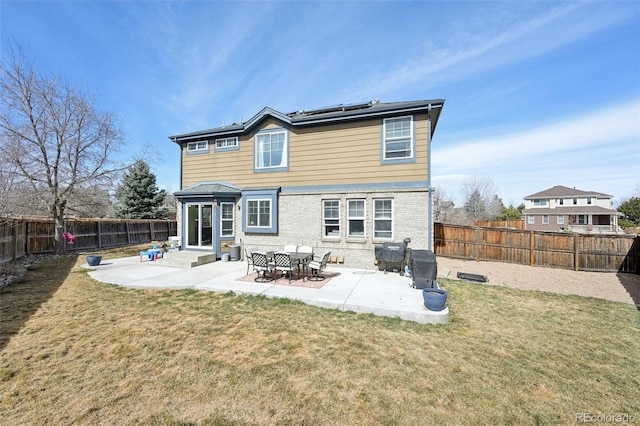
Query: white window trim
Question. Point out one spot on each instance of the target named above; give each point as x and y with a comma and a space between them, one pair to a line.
531, 219
324, 225
227, 142
232, 220
383, 219
259, 200
363, 218
197, 146
285, 150
545, 219
560, 219
385, 139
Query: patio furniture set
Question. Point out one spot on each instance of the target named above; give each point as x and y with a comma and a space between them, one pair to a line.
301, 259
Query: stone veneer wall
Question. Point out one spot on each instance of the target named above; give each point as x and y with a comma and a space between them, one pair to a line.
300, 223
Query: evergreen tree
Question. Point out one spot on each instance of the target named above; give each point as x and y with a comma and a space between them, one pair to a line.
138, 195
631, 211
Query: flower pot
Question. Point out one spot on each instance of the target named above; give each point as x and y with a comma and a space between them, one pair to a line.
435, 299
94, 260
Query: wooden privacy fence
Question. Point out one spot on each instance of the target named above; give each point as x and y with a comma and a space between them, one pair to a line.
580, 252
515, 223
22, 237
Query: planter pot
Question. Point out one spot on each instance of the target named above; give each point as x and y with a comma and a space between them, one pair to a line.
435, 299
94, 260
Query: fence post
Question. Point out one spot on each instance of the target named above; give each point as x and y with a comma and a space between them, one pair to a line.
99, 232
576, 260
477, 244
126, 224
151, 234
14, 240
532, 254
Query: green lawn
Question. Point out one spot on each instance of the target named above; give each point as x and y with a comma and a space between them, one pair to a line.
75, 351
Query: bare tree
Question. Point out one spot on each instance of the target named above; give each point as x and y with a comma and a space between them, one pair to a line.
480, 199
53, 136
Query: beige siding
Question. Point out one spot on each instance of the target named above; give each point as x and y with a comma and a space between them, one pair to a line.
321, 155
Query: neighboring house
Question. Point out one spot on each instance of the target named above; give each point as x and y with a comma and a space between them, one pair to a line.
569, 209
341, 178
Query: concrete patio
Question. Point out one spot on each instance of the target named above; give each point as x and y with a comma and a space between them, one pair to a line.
357, 290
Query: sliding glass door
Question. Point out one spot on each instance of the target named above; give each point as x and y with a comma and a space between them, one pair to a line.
199, 225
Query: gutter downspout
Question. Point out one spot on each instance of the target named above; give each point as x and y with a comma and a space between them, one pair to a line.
430, 195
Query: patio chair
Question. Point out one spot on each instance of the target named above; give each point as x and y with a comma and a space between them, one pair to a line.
290, 248
282, 262
318, 266
262, 266
305, 249
247, 255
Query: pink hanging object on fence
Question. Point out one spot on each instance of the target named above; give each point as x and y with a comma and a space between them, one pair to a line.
69, 238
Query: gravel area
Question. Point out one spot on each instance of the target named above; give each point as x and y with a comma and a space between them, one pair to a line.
612, 286
12, 271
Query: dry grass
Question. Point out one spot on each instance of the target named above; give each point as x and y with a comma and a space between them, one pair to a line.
75, 351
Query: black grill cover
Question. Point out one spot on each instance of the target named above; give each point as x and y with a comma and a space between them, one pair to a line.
393, 252
424, 268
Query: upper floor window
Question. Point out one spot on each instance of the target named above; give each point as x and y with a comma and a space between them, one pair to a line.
575, 201
271, 149
398, 139
226, 143
540, 202
355, 218
226, 219
561, 201
588, 200
331, 218
197, 146
383, 218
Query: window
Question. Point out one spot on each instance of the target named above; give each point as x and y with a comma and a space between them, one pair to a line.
531, 219
545, 219
540, 202
560, 219
583, 219
259, 209
398, 138
561, 202
331, 218
226, 143
258, 213
575, 201
226, 219
355, 218
197, 146
383, 218
271, 150
588, 200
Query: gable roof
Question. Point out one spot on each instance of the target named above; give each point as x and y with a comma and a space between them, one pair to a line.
324, 115
208, 189
560, 191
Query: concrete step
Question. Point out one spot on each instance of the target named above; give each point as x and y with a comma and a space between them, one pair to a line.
187, 259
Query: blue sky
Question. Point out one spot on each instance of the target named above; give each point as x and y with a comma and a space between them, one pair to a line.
537, 93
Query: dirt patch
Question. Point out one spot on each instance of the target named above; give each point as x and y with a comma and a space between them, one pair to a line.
617, 287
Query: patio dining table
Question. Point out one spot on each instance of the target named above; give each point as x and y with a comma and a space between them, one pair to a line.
302, 260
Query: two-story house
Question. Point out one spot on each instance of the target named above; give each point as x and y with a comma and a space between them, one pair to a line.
341, 178
569, 209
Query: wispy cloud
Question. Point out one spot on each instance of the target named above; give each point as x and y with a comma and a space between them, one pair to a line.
607, 139
493, 45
